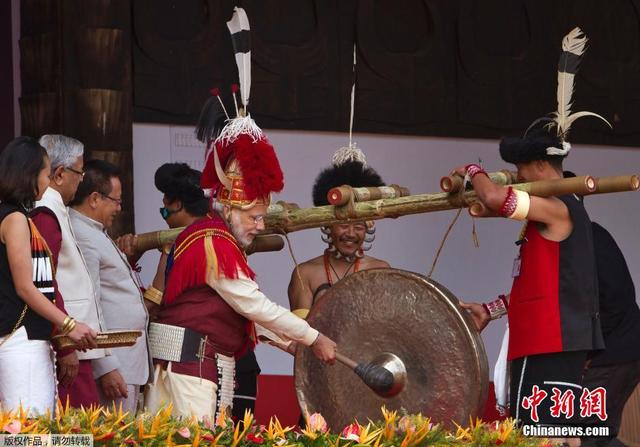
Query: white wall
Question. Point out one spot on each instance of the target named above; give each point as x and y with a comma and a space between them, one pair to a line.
408, 242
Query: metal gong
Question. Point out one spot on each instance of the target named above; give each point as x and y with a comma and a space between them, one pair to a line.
400, 320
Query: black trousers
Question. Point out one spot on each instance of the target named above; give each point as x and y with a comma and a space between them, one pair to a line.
244, 397
562, 370
246, 389
619, 381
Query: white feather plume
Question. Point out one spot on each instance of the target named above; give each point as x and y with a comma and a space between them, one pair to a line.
575, 43
347, 154
240, 22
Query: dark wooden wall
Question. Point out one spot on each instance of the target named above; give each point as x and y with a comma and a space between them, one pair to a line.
77, 80
459, 68
6, 75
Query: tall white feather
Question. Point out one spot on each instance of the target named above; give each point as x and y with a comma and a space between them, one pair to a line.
240, 22
575, 42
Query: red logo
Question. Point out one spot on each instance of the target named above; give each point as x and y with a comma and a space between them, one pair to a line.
594, 403
532, 402
562, 403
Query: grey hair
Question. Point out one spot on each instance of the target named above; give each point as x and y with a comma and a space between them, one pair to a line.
62, 150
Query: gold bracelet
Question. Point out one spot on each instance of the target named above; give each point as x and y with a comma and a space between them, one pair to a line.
154, 295
66, 321
72, 326
302, 313
68, 325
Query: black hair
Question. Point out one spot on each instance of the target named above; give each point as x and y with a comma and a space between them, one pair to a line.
352, 173
20, 164
97, 178
177, 181
533, 146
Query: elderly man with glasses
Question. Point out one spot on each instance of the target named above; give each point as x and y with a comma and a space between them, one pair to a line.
74, 290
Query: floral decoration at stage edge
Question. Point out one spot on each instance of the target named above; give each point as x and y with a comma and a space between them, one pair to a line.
113, 427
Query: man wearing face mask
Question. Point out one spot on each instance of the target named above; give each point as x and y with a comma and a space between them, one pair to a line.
347, 242
184, 204
212, 309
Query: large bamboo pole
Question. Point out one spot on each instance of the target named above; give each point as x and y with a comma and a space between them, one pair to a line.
453, 183
342, 195
302, 219
285, 218
603, 185
157, 239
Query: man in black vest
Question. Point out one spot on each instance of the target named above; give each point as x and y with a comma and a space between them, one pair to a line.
616, 368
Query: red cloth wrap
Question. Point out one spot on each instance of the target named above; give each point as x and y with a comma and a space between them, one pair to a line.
191, 303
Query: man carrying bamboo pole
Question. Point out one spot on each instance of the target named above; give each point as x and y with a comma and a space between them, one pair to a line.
347, 242
553, 305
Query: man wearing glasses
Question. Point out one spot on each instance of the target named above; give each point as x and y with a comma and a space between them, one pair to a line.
212, 309
74, 287
96, 204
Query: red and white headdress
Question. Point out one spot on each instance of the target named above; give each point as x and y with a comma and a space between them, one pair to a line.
242, 168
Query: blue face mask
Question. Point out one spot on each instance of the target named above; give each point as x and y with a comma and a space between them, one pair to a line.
166, 212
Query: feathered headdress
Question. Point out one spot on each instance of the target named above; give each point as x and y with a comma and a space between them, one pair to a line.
348, 167
348, 164
535, 145
242, 168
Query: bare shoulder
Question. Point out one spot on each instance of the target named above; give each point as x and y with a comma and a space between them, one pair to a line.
369, 262
312, 263
13, 224
307, 268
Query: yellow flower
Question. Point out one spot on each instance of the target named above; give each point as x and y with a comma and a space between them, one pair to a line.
366, 437
275, 430
463, 433
246, 421
506, 427
389, 423
221, 421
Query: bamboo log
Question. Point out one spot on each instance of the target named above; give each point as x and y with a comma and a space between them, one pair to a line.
453, 183
264, 243
156, 239
342, 195
547, 188
478, 209
415, 204
285, 218
617, 183
603, 185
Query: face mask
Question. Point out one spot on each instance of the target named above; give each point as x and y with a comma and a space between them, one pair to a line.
166, 212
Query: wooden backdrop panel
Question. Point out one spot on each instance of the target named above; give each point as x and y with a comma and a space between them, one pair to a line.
76, 80
459, 68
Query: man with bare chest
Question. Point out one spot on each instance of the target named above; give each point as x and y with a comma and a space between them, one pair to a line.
347, 243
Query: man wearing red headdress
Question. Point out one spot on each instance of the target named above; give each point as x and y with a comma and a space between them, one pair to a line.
211, 301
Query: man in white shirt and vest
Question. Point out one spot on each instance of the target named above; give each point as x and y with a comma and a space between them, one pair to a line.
74, 291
